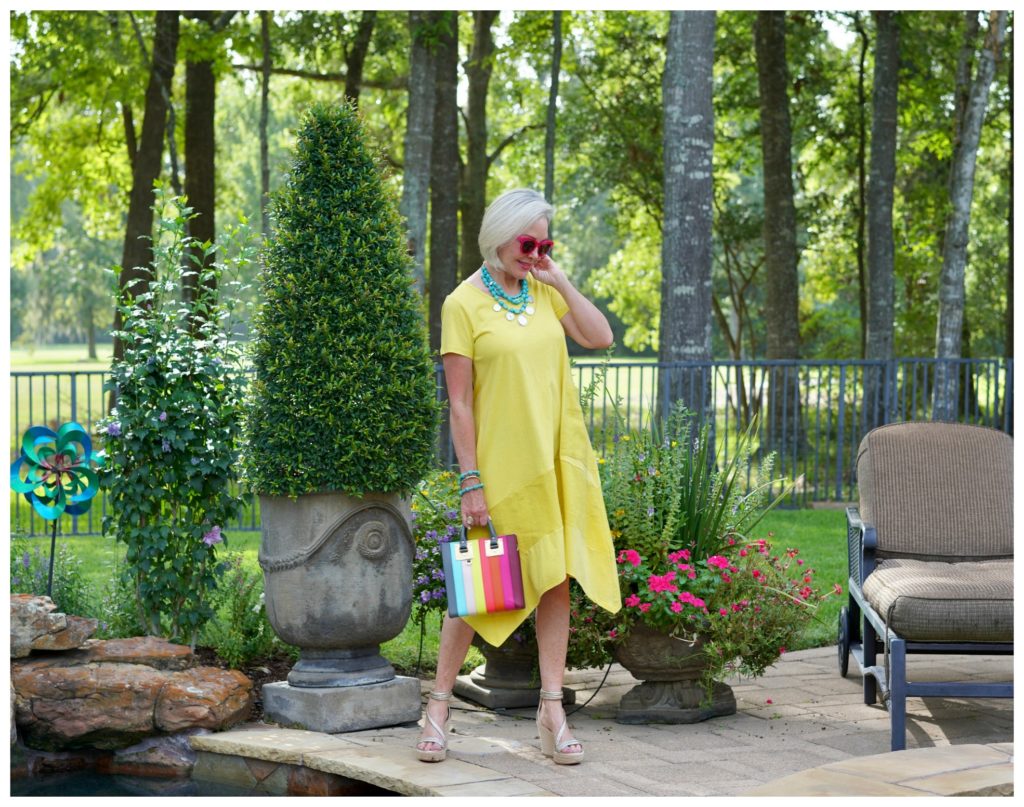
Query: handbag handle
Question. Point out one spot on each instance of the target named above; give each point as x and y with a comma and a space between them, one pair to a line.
463, 545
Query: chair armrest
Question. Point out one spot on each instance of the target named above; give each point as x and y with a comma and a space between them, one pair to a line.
862, 540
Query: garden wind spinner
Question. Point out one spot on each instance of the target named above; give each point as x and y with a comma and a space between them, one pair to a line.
54, 474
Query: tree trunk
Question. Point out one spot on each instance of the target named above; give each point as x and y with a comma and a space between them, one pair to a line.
549, 135
90, 331
782, 285
880, 202
264, 120
136, 256
954, 254
1008, 347
444, 177
473, 195
419, 132
688, 139
200, 148
862, 140
356, 57
444, 201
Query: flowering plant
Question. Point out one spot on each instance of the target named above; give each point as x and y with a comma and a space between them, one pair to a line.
436, 518
686, 566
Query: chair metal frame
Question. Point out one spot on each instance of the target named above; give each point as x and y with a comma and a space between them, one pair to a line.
865, 638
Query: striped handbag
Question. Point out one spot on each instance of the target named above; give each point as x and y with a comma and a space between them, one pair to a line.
482, 576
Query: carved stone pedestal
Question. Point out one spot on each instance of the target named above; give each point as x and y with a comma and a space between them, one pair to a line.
670, 670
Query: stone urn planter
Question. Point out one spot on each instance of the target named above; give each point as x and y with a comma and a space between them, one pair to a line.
509, 678
670, 670
336, 571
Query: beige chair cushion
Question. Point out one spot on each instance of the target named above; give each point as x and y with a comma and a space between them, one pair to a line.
944, 602
938, 491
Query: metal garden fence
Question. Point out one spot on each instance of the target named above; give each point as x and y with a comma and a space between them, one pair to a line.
812, 414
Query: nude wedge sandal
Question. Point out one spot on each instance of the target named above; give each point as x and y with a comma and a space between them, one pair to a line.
553, 744
440, 737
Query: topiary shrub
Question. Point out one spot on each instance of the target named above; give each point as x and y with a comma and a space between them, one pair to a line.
344, 395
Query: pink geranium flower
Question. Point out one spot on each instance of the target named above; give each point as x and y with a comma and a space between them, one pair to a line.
663, 582
632, 601
718, 561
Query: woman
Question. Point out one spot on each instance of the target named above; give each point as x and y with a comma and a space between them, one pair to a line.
524, 451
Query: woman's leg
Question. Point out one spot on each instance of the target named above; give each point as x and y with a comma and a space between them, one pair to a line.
456, 636
553, 642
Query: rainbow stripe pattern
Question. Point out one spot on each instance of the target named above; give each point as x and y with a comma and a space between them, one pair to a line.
482, 576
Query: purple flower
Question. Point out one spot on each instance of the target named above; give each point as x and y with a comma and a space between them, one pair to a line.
651, 470
196, 460
431, 534
451, 515
114, 429
213, 537
425, 596
650, 512
166, 445
163, 417
26, 560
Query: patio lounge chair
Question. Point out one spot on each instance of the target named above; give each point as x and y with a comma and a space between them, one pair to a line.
931, 559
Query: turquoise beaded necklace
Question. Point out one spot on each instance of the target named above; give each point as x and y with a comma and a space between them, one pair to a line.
517, 306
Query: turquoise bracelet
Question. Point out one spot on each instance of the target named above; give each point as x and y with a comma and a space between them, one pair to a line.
464, 476
466, 490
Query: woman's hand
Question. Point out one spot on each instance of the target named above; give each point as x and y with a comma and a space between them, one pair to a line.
474, 509
550, 273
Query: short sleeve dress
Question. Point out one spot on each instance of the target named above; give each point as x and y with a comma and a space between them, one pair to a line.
533, 449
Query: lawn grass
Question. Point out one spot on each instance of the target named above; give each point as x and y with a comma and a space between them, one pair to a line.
818, 534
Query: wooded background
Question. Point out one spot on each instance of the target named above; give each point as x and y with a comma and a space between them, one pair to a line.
731, 185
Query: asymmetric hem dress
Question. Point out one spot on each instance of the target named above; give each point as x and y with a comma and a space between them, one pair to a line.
533, 450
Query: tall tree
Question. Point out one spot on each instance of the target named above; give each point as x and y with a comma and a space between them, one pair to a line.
419, 133
881, 184
200, 138
137, 253
549, 134
266, 66
862, 183
780, 248
444, 176
355, 56
948, 333
688, 139
473, 187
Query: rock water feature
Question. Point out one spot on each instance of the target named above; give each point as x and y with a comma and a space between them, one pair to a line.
115, 706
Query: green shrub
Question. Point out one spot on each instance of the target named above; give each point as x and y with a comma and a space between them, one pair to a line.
240, 632
172, 440
344, 396
30, 572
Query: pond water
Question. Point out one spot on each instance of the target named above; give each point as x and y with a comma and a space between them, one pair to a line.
89, 783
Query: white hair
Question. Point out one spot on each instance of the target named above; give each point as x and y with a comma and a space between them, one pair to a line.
508, 216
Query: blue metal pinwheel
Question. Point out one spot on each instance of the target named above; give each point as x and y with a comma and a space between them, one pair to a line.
54, 473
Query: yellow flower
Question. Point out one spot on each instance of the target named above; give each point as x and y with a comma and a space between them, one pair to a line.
625, 437
616, 533
674, 444
619, 513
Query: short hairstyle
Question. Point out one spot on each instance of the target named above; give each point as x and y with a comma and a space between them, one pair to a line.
507, 216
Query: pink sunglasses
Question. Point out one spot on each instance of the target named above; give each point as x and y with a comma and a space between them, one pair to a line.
527, 244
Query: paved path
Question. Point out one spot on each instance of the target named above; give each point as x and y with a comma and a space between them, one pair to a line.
800, 716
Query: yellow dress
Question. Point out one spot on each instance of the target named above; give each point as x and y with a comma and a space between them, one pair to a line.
533, 450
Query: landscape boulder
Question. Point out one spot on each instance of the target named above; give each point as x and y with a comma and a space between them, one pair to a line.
112, 694
36, 626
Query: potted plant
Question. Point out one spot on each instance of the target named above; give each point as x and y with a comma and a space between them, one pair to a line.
701, 597
341, 424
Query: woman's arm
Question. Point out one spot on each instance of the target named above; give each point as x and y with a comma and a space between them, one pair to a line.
458, 373
583, 322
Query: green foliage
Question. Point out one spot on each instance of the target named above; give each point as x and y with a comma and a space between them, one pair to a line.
436, 518
343, 397
240, 632
30, 571
172, 440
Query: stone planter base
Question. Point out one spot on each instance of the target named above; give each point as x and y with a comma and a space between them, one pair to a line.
502, 693
674, 702
333, 710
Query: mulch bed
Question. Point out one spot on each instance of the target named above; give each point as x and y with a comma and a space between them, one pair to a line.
260, 672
